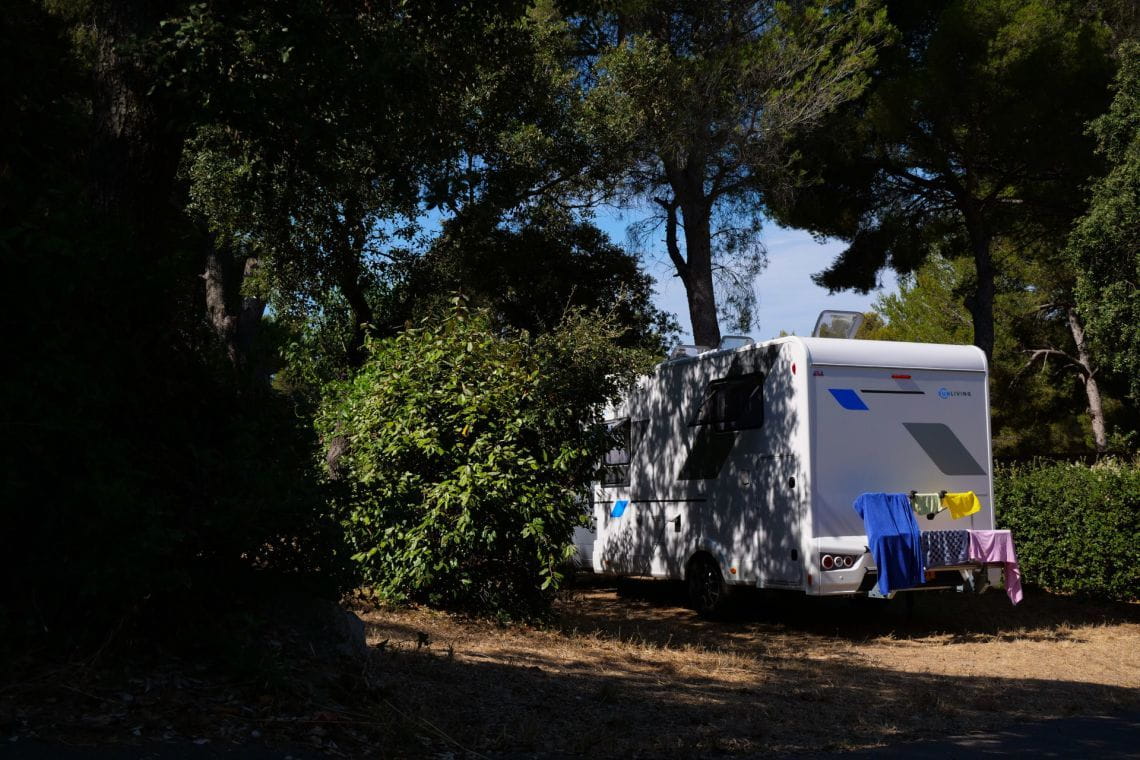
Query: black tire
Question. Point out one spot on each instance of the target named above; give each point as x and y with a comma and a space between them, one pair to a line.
707, 591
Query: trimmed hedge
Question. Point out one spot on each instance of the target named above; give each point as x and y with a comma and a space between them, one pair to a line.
1075, 526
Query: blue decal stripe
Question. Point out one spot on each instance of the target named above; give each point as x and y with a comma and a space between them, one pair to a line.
849, 399
619, 507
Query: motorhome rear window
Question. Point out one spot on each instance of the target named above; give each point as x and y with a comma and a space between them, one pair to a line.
615, 463
733, 403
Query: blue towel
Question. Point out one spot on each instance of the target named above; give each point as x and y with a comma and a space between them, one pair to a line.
894, 539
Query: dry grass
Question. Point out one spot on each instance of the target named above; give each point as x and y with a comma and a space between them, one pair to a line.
639, 674
630, 674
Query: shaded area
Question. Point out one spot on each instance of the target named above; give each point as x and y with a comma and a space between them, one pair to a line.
626, 674
175, 751
637, 673
657, 607
1100, 737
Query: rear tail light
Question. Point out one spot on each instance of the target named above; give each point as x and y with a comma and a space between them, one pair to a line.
837, 561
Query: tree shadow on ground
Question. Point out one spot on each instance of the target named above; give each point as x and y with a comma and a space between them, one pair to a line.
624, 675
643, 703
659, 609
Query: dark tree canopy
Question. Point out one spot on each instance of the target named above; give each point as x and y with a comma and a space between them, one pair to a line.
231, 230
703, 97
531, 271
199, 196
974, 126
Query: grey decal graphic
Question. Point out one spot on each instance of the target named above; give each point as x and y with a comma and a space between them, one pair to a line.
944, 448
898, 393
905, 386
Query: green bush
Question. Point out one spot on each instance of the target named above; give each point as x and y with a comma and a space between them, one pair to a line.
467, 450
1076, 527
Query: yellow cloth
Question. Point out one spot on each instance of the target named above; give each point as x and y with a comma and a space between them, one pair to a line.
961, 504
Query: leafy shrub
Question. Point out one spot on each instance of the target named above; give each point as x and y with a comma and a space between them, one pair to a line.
467, 451
1076, 527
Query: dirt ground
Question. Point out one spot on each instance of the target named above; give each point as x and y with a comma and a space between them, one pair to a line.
622, 671
635, 673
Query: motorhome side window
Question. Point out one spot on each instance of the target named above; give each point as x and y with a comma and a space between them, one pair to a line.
615, 463
733, 403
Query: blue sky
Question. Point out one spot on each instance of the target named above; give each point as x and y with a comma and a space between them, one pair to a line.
788, 299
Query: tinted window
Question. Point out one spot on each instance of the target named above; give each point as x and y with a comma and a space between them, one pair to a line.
615, 463
735, 403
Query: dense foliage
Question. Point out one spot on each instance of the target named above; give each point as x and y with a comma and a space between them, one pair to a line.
1075, 526
1106, 242
958, 141
469, 449
530, 270
140, 482
223, 221
704, 98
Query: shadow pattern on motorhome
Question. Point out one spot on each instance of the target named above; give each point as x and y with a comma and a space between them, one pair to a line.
727, 421
747, 461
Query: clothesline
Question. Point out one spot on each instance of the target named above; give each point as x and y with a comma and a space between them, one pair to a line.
902, 552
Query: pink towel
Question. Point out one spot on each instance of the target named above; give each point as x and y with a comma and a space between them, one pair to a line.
997, 546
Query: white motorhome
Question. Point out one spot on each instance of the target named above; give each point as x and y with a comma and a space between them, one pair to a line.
739, 466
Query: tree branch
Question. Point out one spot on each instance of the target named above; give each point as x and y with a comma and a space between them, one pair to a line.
1037, 353
670, 208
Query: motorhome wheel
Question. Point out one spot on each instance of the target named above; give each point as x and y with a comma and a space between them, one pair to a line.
707, 590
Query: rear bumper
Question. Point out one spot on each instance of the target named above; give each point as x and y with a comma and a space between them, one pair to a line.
862, 576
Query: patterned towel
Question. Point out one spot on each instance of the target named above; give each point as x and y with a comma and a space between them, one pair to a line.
946, 548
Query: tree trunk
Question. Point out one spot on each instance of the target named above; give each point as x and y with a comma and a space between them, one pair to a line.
699, 285
249, 322
1092, 389
350, 280
351, 287
348, 254
219, 276
696, 271
234, 317
981, 302
136, 145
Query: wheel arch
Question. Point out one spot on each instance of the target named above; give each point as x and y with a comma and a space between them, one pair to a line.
714, 551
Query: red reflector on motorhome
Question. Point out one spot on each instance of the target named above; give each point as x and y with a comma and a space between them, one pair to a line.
900, 377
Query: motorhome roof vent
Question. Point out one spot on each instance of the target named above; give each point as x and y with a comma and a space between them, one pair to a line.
687, 351
837, 324
734, 341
